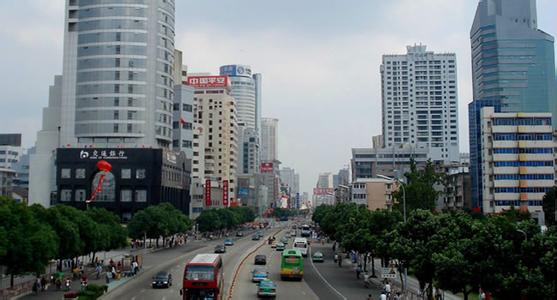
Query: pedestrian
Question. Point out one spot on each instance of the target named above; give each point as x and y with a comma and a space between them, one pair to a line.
334, 246
107, 278
383, 296
98, 269
43, 283
369, 297
335, 258
358, 271
388, 288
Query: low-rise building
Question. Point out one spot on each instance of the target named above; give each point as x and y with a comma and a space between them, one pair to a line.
375, 193
518, 163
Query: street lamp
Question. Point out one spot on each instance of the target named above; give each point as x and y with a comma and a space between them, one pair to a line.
403, 192
404, 216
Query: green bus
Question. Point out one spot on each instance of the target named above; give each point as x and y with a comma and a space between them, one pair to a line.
291, 264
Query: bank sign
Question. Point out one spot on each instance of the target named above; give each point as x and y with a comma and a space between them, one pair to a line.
107, 154
236, 70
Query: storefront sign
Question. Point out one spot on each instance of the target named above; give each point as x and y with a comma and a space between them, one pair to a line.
107, 154
225, 193
207, 193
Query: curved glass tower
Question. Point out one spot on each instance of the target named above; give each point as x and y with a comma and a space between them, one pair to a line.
119, 56
244, 90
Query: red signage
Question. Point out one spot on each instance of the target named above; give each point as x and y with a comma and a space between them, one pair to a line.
266, 167
202, 82
225, 193
323, 191
207, 192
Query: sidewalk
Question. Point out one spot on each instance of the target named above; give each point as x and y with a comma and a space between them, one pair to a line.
53, 294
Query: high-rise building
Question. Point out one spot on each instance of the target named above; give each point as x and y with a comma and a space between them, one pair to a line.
248, 151
269, 139
246, 90
420, 102
113, 102
518, 165
182, 124
215, 110
513, 68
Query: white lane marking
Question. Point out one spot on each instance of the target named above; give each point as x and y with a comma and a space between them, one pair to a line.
323, 278
163, 298
142, 291
133, 298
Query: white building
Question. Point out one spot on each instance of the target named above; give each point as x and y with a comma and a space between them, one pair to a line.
214, 109
518, 165
420, 102
245, 88
269, 139
117, 84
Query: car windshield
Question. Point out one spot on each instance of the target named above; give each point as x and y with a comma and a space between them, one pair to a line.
260, 271
266, 284
318, 254
200, 273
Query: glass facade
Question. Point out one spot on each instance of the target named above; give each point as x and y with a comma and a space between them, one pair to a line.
124, 75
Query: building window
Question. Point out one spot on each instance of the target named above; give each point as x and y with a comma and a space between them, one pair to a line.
80, 195
140, 174
125, 196
126, 174
65, 195
66, 173
141, 196
108, 188
80, 173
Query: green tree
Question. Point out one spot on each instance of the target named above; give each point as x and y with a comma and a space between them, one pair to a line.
209, 220
549, 200
112, 234
30, 244
158, 221
420, 191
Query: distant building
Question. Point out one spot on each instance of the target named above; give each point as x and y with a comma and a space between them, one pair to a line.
245, 88
420, 102
269, 139
393, 161
518, 165
182, 124
375, 193
10, 154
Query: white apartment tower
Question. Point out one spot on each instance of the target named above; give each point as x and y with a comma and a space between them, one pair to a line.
269, 139
420, 102
214, 116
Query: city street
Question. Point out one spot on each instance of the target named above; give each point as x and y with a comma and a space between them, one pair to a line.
174, 262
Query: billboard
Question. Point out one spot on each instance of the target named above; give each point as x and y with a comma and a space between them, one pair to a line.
225, 193
266, 167
207, 193
203, 82
323, 191
236, 70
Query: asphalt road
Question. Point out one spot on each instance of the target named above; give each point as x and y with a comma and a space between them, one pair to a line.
245, 289
174, 261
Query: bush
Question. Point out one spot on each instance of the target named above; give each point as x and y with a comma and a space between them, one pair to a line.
92, 292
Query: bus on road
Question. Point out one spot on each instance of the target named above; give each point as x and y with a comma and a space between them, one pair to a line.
302, 245
291, 265
203, 278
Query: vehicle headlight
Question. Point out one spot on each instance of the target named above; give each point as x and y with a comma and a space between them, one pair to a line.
154, 282
166, 282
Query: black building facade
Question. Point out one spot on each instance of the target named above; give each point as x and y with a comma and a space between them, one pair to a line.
138, 178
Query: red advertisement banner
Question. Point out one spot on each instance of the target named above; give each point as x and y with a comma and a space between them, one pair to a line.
207, 193
225, 193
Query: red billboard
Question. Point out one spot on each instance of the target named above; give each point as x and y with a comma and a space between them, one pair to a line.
323, 191
202, 82
207, 192
225, 193
266, 167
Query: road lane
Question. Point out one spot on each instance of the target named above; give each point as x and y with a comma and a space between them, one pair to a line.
174, 262
245, 289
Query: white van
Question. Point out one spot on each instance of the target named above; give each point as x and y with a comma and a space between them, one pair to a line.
302, 245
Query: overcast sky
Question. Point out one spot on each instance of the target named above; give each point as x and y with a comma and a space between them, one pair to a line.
319, 59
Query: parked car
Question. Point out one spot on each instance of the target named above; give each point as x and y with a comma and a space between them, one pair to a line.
260, 259
317, 257
258, 274
220, 249
266, 288
280, 246
228, 242
162, 280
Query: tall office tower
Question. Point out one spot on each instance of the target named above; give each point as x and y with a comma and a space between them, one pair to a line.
113, 102
287, 177
420, 102
215, 110
518, 164
513, 69
243, 87
269, 139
